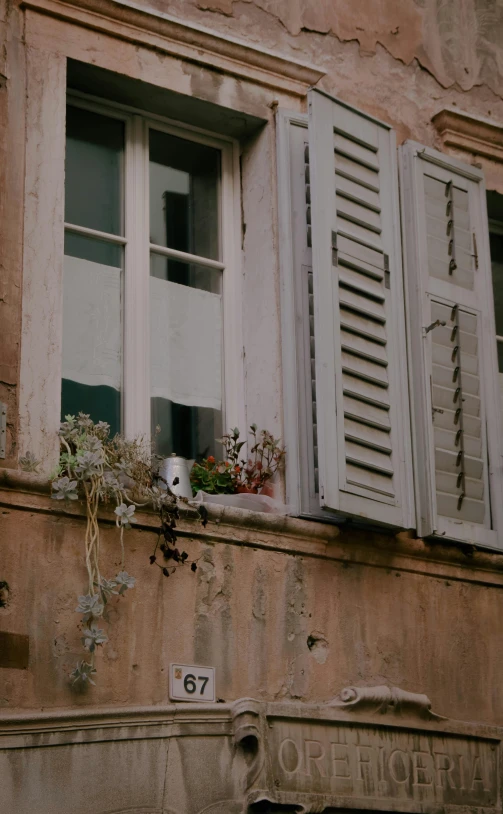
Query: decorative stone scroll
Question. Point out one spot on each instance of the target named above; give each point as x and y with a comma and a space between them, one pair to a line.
385, 699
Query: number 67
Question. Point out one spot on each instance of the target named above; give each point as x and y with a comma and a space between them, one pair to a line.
189, 683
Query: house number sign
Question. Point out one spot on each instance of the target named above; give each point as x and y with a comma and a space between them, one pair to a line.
191, 683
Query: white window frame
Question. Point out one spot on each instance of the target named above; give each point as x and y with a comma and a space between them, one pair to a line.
135, 392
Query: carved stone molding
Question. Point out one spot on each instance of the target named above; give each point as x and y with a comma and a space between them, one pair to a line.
475, 136
152, 28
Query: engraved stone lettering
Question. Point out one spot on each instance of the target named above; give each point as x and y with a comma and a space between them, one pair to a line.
289, 756
444, 767
372, 762
365, 761
399, 766
422, 769
339, 753
315, 754
477, 775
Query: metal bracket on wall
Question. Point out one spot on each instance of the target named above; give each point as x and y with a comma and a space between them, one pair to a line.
3, 428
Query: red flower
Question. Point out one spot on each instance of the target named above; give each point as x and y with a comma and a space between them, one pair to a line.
211, 459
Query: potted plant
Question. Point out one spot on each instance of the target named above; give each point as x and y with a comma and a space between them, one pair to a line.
235, 475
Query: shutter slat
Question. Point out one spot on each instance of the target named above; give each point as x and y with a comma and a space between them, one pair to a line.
369, 258
358, 213
356, 172
367, 348
357, 192
367, 413
360, 234
364, 368
362, 325
357, 152
446, 439
370, 479
369, 458
365, 390
368, 436
472, 511
366, 306
368, 286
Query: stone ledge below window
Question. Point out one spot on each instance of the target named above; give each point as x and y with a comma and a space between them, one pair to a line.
395, 552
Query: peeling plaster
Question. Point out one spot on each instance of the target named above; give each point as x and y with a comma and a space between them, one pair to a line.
459, 42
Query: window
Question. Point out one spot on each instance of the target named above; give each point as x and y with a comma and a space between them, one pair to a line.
147, 251
361, 333
495, 213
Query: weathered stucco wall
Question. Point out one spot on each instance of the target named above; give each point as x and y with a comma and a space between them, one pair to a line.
295, 611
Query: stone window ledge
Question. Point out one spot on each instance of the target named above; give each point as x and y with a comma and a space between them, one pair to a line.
348, 545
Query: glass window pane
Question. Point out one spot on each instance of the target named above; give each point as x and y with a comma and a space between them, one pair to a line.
186, 359
496, 242
92, 334
97, 251
94, 161
184, 179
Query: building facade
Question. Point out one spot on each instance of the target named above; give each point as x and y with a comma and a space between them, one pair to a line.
283, 213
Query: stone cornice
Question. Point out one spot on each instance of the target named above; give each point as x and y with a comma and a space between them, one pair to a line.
155, 29
473, 135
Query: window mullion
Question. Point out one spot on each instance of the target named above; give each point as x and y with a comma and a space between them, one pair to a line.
136, 413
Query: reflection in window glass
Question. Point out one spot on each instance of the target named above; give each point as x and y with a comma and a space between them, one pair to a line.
93, 269
93, 170
184, 184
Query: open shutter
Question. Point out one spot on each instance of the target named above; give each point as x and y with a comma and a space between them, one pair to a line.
456, 428
361, 381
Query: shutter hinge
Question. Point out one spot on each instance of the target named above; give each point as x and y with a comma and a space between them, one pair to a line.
3, 428
335, 259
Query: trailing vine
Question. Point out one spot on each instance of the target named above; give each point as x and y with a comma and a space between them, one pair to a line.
102, 470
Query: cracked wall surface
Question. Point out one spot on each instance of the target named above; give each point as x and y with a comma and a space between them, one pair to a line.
279, 617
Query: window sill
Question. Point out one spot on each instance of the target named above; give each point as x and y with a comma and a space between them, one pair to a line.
293, 536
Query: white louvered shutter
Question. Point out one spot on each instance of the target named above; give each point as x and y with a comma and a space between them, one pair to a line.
362, 404
457, 449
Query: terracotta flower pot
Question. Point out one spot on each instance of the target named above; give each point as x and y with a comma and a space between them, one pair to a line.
267, 490
245, 490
